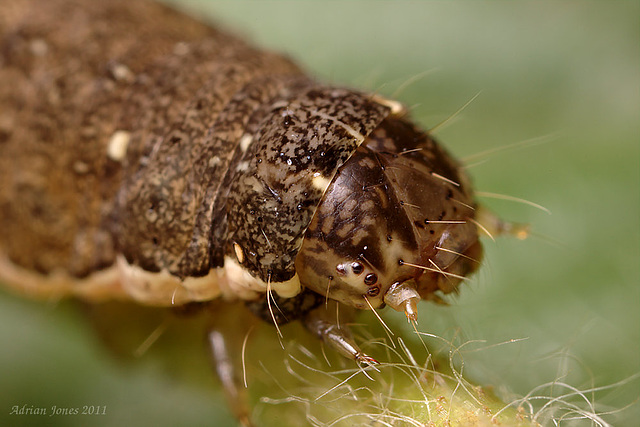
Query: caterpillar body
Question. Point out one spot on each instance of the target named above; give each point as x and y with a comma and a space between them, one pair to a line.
146, 156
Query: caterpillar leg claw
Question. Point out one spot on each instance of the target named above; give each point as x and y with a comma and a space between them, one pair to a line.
330, 326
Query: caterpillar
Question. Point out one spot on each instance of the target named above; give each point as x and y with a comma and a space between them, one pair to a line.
146, 156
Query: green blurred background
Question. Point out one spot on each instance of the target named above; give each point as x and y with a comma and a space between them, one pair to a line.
566, 73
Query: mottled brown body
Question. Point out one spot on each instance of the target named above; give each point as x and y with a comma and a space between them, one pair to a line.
140, 68
166, 162
145, 156
62, 96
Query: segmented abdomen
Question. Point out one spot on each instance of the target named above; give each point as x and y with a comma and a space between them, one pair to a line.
63, 93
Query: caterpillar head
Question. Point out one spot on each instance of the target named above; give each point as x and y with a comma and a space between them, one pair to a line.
395, 225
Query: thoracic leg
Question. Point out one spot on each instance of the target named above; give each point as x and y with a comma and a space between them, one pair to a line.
318, 315
330, 327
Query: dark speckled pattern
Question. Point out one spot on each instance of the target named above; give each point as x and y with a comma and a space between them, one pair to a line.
274, 198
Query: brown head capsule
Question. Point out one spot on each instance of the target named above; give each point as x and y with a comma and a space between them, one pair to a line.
399, 213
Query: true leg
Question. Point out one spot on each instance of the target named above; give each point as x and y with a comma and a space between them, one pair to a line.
326, 325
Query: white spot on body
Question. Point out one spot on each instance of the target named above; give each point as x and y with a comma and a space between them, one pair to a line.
117, 148
242, 166
320, 182
214, 161
397, 109
245, 141
239, 252
122, 73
